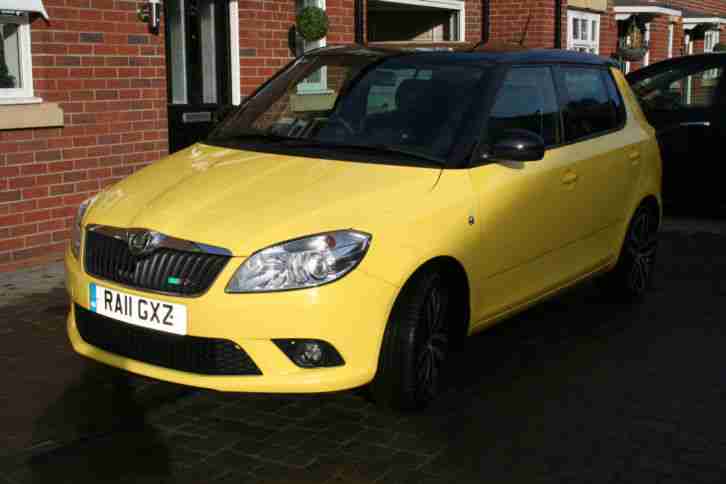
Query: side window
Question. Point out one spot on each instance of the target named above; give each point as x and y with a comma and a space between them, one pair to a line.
589, 110
673, 90
526, 100
615, 98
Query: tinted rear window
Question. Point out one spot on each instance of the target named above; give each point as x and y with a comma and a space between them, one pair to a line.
589, 109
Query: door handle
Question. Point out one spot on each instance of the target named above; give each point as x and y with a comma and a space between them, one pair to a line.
569, 178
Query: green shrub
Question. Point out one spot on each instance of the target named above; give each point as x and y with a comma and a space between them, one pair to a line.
312, 23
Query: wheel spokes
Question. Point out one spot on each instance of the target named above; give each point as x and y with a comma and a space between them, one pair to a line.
434, 339
641, 248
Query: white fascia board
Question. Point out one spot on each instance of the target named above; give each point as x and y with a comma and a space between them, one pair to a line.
623, 12
690, 22
24, 6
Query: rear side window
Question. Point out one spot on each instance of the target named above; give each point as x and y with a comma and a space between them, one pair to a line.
526, 100
615, 98
589, 108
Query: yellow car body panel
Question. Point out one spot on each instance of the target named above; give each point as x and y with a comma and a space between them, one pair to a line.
520, 231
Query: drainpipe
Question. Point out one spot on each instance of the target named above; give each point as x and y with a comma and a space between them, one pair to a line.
558, 24
485, 21
358, 20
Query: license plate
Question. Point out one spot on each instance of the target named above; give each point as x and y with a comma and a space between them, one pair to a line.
139, 311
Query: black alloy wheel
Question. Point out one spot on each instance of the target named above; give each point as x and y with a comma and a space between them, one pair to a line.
415, 345
433, 340
633, 274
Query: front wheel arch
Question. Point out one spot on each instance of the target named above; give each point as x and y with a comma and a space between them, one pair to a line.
456, 276
392, 386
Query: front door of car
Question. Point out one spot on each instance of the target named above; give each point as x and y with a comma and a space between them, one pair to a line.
686, 109
198, 66
523, 206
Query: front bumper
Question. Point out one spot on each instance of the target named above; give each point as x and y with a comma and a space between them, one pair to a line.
350, 314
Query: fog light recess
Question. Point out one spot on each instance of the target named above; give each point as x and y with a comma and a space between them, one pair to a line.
310, 353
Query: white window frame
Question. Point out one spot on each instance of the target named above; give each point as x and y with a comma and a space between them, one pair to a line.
710, 39
234, 52
457, 6
588, 39
646, 37
671, 30
322, 85
24, 94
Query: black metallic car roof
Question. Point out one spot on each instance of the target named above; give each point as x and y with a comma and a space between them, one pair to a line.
498, 56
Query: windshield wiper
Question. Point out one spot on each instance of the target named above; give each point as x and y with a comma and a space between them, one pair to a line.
271, 137
379, 148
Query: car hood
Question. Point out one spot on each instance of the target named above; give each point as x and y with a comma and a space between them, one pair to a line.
245, 200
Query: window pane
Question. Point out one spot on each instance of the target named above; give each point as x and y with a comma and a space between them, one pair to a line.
589, 110
526, 100
178, 61
576, 28
583, 28
209, 51
10, 72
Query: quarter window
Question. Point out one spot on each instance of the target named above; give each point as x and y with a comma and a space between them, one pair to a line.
589, 109
615, 98
16, 73
526, 100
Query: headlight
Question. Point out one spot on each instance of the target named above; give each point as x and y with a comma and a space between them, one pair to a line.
300, 263
76, 230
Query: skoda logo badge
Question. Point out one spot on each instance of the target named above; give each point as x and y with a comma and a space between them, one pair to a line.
141, 243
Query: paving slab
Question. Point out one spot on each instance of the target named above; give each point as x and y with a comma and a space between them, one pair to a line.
578, 389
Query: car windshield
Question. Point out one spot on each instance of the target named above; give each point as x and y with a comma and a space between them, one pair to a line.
400, 106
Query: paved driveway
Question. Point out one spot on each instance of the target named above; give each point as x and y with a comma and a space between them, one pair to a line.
576, 390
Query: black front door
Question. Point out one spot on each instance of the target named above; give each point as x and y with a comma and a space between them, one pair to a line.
683, 103
197, 53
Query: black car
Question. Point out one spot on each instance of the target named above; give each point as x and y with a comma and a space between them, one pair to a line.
685, 100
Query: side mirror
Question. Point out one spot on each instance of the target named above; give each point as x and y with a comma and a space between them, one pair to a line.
518, 145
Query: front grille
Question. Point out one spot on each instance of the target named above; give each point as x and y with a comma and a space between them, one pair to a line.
206, 356
165, 270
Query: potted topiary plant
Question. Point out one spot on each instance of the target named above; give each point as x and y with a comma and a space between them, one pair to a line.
312, 23
720, 47
632, 46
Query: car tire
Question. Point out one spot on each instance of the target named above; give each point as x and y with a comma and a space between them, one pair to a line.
416, 344
632, 275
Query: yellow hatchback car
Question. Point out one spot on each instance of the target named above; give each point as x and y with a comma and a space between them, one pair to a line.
361, 214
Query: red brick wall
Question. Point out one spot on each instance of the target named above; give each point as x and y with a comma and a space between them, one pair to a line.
107, 73
514, 20
608, 32
472, 11
264, 35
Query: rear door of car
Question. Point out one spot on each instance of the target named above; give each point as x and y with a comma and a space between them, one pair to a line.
608, 160
685, 104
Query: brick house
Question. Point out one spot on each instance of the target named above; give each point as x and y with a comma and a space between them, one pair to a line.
90, 92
